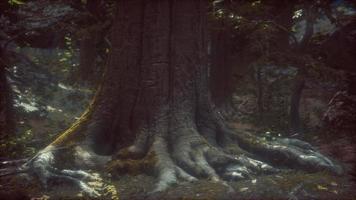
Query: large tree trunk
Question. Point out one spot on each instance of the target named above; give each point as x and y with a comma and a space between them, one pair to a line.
155, 100
221, 73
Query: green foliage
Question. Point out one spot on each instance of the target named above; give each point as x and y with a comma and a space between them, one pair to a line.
264, 34
67, 58
16, 2
16, 146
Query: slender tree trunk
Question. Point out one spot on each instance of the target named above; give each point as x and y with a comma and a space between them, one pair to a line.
260, 92
295, 121
3, 104
299, 83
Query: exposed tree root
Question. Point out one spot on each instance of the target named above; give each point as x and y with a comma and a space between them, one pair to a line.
185, 153
42, 165
44, 170
292, 153
192, 157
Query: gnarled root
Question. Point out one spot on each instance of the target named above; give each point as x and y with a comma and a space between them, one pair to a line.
291, 153
43, 167
182, 151
192, 157
184, 154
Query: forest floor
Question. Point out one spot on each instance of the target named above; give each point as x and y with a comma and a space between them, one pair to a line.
45, 114
291, 186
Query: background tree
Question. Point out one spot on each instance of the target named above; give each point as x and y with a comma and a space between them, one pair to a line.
6, 112
269, 32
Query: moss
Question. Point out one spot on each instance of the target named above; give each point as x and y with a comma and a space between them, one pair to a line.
69, 136
132, 166
15, 146
111, 192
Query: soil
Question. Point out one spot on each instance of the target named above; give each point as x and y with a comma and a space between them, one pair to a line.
288, 185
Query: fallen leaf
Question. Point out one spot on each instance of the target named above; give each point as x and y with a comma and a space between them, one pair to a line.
320, 187
333, 183
243, 189
95, 184
278, 176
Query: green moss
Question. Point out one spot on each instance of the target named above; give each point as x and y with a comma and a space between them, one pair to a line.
16, 147
69, 136
132, 166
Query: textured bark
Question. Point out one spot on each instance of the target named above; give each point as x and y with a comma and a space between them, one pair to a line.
221, 72
157, 67
88, 70
299, 82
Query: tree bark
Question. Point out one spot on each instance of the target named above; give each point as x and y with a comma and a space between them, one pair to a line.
259, 93
221, 72
88, 70
299, 83
87, 60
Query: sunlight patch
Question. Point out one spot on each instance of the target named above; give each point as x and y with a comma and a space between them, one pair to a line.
64, 87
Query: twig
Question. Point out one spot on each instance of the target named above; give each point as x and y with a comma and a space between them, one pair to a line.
11, 162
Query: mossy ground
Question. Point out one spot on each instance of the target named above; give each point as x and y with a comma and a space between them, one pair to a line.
290, 185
